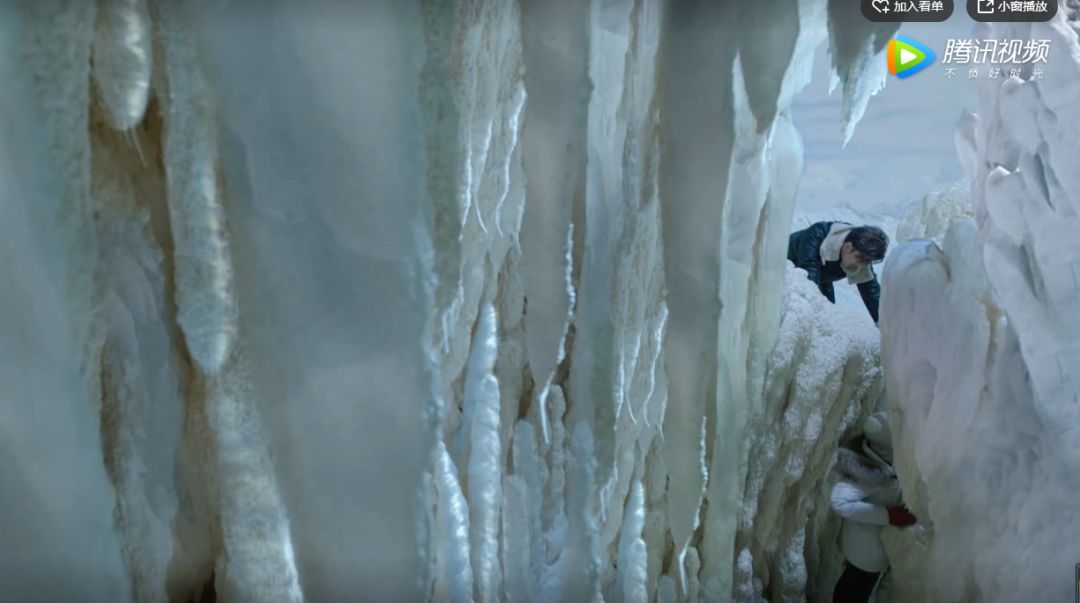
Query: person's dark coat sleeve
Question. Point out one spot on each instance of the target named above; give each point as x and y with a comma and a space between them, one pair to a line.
804, 250
870, 291
827, 291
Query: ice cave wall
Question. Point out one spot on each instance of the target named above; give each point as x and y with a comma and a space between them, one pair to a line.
460, 300
54, 491
824, 377
980, 348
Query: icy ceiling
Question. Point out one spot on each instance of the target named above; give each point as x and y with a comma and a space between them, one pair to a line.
480, 300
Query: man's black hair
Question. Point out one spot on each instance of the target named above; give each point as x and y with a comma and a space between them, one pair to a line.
870, 241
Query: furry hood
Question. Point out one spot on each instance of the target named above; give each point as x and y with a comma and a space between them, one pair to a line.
861, 469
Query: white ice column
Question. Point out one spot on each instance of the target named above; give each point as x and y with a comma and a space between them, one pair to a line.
324, 166
57, 501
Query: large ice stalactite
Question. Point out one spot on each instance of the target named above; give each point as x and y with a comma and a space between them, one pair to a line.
855, 44
54, 490
980, 348
620, 317
462, 300
609, 425
331, 250
122, 60
140, 403
255, 560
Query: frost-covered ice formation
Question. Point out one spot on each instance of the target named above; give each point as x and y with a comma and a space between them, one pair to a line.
824, 377
454, 300
855, 44
980, 348
55, 494
930, 216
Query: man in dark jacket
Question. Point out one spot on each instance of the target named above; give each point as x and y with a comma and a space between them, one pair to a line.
830, 251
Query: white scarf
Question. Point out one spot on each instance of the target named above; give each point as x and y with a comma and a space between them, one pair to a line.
830, 252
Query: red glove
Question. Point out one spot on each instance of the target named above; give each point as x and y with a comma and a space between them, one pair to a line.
901, 517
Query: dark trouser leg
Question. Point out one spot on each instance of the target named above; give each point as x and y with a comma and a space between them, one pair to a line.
854, 586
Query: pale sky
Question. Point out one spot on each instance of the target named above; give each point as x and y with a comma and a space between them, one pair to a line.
902, 148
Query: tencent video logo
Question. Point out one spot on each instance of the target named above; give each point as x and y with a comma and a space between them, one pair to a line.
907, 57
